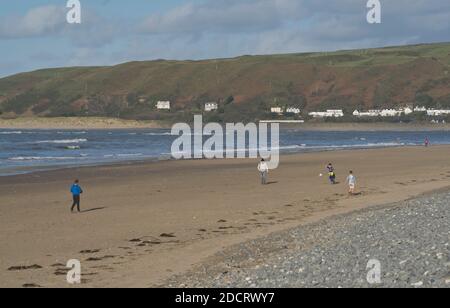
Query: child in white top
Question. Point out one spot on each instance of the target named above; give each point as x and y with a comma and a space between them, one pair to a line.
351, 180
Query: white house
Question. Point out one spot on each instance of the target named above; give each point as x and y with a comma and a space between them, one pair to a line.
331, 113
408, 110
163, 105
437, 113
420, 109
337, 113
211, 106
277, 110
370, 113
293, 110
391, 113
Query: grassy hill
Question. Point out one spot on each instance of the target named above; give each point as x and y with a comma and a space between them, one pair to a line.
246, 87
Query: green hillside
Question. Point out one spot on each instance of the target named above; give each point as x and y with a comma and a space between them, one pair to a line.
246, 87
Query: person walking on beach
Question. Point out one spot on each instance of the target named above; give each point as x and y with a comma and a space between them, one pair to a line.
331, 173
76, 193
351, 180
263, 168
427, 142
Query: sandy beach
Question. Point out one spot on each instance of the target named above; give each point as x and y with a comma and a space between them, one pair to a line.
115, 123
145, 222
77, 123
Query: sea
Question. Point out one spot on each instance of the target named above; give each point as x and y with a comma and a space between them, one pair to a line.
26, 151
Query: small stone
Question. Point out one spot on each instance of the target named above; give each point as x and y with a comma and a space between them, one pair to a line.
417, 284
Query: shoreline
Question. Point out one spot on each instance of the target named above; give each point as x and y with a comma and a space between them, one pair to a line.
147, 222
154, 160
100, 123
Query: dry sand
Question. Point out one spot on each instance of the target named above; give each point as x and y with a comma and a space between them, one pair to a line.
77, 123
114, 123
145, 222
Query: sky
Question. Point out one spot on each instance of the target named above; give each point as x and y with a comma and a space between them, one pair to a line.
35, 34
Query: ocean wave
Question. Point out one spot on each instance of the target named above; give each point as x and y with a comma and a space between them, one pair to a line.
32, 158
72, 133
122, 155
11, 133
66, 141
158, 134
304, 147
358, 146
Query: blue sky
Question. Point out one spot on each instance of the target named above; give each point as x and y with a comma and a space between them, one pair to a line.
34, 34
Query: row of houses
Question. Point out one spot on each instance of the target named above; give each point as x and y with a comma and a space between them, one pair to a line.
400, 112
297, 111
165, 105
339, 113
281, 110
331, 113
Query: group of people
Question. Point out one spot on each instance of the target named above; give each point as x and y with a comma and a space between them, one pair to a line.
351, 179
263, 169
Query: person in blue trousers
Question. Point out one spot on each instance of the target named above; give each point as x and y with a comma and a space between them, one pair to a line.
76, 193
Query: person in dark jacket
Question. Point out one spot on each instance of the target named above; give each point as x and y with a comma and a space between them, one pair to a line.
76, 193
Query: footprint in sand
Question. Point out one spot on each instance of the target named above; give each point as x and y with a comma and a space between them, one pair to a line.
31, 285
169, 235
24, 268
89, 251
61, 272
146, 243
222, 221
225, 228
94, 259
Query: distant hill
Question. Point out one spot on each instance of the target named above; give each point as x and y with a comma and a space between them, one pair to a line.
246, 87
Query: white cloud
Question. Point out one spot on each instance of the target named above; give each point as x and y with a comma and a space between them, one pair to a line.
212, 29
40, 21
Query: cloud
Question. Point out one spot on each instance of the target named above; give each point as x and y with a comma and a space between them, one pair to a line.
229, 16
50, 21
214, 29
267, 26
40, 21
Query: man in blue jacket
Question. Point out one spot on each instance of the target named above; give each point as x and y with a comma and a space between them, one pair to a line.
76, 192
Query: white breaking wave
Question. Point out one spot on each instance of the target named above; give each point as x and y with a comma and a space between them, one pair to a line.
67, 141
304, 147
71, 133
11, 133
158, 134
122, 155
29, 158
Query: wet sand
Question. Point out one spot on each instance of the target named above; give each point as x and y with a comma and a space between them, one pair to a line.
145, 222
